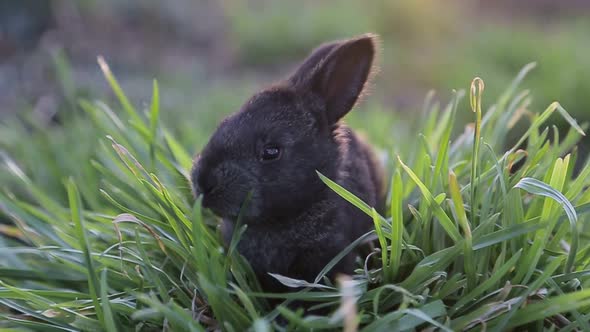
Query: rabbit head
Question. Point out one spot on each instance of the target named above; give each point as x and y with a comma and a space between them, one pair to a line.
272, 147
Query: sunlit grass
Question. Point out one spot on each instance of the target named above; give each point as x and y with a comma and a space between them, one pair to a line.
108, 237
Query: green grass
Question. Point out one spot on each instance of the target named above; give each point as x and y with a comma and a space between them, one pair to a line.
102, 232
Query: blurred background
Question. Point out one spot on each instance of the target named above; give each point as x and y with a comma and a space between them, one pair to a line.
208, 56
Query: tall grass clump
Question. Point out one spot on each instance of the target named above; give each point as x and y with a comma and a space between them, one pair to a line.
478, 234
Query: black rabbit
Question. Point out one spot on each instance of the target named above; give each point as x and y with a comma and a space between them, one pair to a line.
272, 148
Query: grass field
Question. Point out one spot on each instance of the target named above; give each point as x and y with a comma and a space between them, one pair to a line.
101, 231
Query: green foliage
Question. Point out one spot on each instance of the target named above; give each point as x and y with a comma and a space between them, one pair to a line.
495, 51
474, 236
266, 31
419, 55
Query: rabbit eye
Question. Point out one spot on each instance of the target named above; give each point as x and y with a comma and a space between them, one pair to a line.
271, 152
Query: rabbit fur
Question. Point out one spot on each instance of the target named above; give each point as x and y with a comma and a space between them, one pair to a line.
270, 151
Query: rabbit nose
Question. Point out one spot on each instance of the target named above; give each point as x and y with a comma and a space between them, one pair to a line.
203, 180
206, 184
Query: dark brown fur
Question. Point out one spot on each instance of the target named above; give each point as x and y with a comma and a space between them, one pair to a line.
296, 224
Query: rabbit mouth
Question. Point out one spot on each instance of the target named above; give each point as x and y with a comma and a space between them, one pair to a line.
230, 205
228, 211
227, 190
219, 204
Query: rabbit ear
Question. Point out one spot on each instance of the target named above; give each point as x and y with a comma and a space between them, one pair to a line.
337, 73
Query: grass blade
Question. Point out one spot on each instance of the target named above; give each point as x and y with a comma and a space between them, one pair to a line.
76, 210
